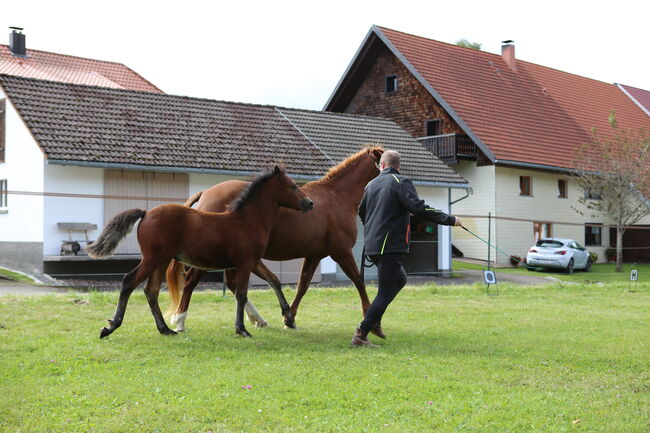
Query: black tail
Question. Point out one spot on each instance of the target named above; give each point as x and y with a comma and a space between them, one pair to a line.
114, 232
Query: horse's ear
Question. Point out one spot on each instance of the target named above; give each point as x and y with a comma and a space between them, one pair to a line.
378, 153
276, 170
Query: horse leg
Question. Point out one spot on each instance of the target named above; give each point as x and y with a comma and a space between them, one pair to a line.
239, 278
191, 280
265, 273
253, 315
349, 267
151, 291
129, 283
309, 266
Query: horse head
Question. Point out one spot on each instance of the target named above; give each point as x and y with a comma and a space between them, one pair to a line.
290, 195
375, 153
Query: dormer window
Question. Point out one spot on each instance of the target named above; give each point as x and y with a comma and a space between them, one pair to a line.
391, 84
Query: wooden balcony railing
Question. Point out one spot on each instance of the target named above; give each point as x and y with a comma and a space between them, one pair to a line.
450, 147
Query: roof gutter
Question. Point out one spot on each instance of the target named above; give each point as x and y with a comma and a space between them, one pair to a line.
441, 184
140, 167
534, 166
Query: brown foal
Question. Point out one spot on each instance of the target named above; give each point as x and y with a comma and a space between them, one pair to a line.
234, 240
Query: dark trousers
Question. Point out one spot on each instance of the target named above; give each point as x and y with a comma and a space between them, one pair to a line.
390, 281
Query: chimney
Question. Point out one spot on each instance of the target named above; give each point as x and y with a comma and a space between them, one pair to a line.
508, 54
17, 42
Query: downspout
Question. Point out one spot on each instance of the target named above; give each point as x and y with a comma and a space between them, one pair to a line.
468, 192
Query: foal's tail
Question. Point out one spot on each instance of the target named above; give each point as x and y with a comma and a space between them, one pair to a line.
175, 282
114, 232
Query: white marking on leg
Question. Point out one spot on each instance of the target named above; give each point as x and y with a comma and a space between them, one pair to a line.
179, 321
254, 316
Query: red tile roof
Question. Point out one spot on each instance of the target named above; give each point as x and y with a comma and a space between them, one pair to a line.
639, 96
70, 69
535, 114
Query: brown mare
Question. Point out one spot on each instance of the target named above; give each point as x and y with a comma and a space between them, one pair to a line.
331, 230
233, 240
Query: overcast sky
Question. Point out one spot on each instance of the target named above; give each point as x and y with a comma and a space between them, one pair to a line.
293, 53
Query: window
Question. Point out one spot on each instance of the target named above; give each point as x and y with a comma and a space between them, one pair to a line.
525, 185
434, 127
391, 84
542, 231
561, 188
3, 193
2, 130
592, 195
593, 234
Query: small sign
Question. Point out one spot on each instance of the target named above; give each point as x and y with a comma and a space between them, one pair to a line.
489, 277
634, 275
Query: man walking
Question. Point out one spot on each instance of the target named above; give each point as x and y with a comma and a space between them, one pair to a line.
385, 209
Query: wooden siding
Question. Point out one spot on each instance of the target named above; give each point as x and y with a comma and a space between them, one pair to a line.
142, 188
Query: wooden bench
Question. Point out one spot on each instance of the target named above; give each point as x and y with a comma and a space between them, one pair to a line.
73, 245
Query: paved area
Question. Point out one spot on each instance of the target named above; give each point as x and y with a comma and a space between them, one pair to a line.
8, 287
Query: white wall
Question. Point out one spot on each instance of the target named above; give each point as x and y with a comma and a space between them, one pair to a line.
21, 220
479, 204
68, 179
544, 205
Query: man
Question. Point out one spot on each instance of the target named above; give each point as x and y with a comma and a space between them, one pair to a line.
385, 209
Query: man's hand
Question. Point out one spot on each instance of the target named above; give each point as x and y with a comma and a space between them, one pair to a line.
458, 222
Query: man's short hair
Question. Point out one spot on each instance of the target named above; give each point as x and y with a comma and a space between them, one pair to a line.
391, 158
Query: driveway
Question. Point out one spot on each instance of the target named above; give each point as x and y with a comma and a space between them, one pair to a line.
9, 287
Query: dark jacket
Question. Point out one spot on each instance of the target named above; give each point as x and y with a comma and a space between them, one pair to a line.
385, 209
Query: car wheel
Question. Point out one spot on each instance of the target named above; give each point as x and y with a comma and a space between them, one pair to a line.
569, 267
588, 265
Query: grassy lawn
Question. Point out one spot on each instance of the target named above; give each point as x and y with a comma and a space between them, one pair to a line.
600, 272
554, 358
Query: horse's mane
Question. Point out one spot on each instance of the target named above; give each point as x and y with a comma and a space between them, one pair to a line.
251, 189
350, 160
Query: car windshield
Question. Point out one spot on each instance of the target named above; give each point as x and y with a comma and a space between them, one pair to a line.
547, 243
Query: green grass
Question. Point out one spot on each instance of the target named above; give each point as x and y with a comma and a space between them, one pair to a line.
15, 276
600, 272
554, 358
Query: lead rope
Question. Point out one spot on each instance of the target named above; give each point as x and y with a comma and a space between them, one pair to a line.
365, 265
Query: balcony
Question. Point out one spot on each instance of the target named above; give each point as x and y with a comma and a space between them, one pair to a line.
450, 147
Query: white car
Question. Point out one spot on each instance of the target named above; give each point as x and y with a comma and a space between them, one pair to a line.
558, 253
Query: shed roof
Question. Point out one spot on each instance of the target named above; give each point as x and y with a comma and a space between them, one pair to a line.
71, 69
91, 125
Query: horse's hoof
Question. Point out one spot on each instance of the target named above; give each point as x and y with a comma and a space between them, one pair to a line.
167, 332
177, 330
261, 324
378, 331
290, 324
243, 333
105, 332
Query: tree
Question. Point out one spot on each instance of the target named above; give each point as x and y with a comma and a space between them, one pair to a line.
467, 44
613, 172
